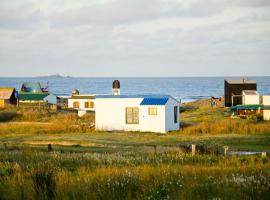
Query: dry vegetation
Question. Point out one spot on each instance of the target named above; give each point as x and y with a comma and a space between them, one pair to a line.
84, 164
40, 175
200, 118
26, 120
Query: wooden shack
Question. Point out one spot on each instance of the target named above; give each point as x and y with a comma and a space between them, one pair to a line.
233, 90
7, 97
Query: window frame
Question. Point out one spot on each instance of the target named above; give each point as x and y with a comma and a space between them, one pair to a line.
89, 103
76, 104
152, 111
134, 111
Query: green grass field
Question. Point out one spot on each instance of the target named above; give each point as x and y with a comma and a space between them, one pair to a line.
85, 164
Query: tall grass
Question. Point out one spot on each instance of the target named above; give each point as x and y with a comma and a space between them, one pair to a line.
228, 126
35, 121
117, 172
207, 120
127, 175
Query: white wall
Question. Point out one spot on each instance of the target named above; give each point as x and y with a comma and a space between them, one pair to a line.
170, 125
152, 123
81, 101
266, 100
266, 114
251, 99
111, 113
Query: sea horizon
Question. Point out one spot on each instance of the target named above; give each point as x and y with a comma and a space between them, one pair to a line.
185, 89
193, 76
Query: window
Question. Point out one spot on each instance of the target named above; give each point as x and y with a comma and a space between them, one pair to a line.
175, 114
89, 104
152, 111
132, 115
76, 104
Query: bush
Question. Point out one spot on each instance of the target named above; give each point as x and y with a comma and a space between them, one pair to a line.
7, 116
255, 118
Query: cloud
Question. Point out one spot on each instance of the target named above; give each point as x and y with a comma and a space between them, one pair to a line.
110, 13
134, 37
22, 16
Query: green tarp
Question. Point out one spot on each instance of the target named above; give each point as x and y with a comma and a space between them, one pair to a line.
30, 96
250, 107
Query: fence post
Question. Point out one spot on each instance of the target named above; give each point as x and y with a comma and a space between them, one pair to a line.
50, 148
225, 150
155, 148
193, 149
5, 146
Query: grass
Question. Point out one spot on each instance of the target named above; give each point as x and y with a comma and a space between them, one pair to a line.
85, 164
127, 175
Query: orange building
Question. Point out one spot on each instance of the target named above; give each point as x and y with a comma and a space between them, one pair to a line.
7, 97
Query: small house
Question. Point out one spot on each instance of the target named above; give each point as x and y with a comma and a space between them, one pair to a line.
147, 113
51, 101
7, 97
38, 99
250, 97
233, 91
82, 102
62, 101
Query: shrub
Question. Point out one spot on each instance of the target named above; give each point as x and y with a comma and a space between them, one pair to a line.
7, 116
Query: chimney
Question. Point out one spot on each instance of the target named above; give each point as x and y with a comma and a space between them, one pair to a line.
116, 87
75, 92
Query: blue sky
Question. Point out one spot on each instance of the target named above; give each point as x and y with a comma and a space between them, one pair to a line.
100, 38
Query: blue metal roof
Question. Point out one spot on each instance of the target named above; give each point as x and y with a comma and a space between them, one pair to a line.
154, 101
134, 96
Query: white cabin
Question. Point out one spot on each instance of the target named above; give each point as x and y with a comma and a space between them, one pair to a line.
147, 113
250, 97
82, 102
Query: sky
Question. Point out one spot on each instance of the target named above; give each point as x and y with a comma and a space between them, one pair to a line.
134, 38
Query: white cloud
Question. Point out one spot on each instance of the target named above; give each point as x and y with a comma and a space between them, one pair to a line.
134, 36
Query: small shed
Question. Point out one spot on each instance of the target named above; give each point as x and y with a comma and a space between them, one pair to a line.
233, 90
62, 101
147, 113
7, 97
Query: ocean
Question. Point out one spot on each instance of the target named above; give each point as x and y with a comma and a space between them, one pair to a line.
183, 88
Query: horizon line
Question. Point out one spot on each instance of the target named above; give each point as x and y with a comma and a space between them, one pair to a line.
187, 76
